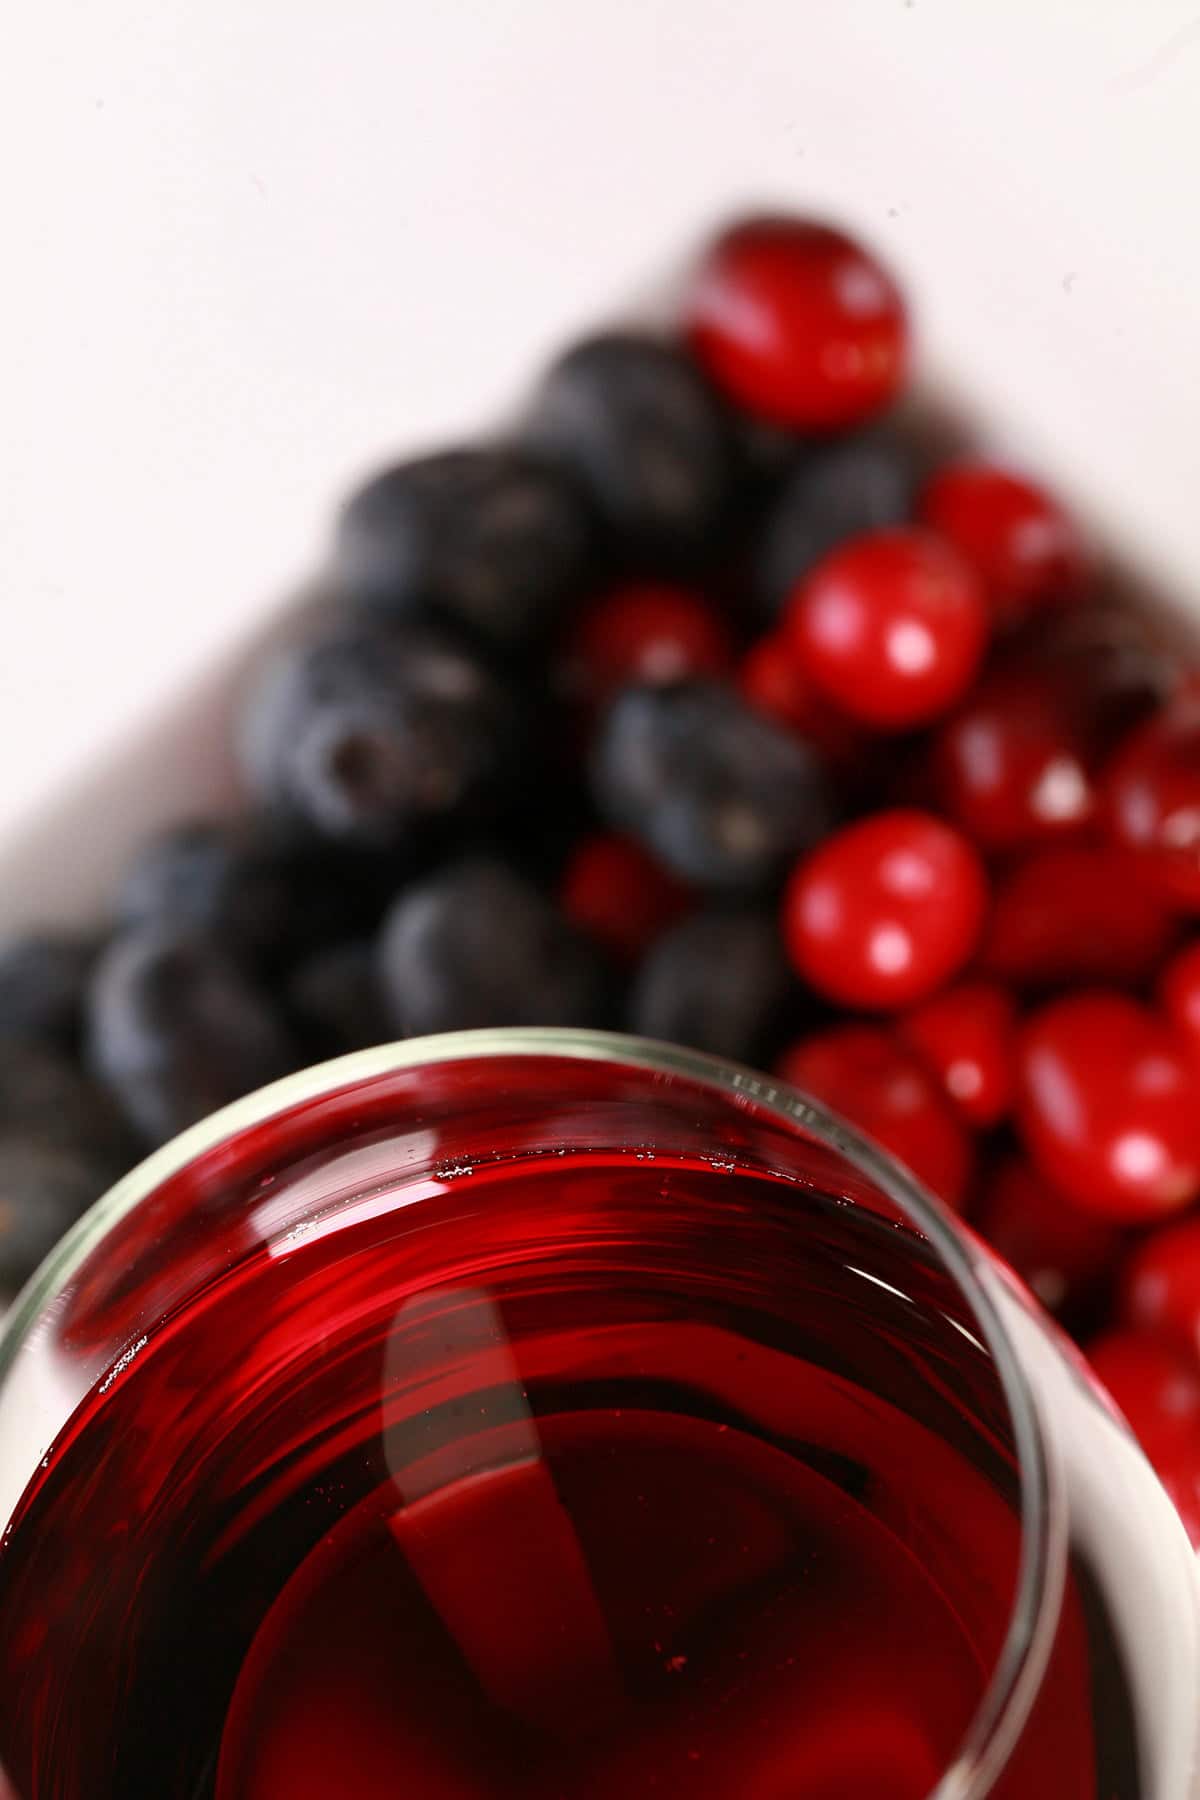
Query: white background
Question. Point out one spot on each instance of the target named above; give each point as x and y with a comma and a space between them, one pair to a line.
252, 245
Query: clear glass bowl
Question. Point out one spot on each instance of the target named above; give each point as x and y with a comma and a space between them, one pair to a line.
577, 1309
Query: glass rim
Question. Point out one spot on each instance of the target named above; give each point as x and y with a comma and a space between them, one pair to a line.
1018, 1669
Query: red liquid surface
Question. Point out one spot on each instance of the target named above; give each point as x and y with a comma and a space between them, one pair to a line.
580, 1481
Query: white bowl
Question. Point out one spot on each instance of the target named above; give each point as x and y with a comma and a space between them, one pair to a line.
257, 248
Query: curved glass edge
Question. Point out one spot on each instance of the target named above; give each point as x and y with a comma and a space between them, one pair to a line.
1005, 1706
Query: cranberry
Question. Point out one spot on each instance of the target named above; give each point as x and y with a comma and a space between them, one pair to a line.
1160, 1286
773, 682
1074, 913
645, 633
1179, 991
618, 895
799, 324
863, 1073
1062, 1253
1011, 767
892, 627
886, 910
1151, 798
1023, 545
1158, 1389
1155, 1385
1109, 1106
967, 1036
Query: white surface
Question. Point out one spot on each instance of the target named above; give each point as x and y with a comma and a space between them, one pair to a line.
251, 245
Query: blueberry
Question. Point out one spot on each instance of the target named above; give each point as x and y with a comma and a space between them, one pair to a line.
718, 981
854, 486
45, 1188
46, 1099
43, 979
720, 794
372, 736
768, 453
178, 1029
269, 903
495, 540
633, 419
335, 1001
477, 945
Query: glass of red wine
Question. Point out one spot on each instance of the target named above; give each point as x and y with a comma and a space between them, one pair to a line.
561, 1415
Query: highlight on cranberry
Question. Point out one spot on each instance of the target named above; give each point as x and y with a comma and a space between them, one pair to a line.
799, 324
710, 701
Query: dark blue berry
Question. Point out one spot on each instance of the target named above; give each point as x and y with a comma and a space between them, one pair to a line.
335, 1001
494, 540
269, 903
177, 1029
43, 979
767, 453
46, 1099
372, 736
858, 485
478, 945
634, 421
720, 794
45, 1188
718, 981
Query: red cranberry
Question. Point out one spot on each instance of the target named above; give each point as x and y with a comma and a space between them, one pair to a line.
1160, 1286
1010, 767
892, 627
773, 682
1156, 1386
1109, 1106
1075, 913
863, 1073
1158, 1390
1062, 1253
1179, 991
1024, 547
618, 895
645, 633
886, 910
798, 324
967, 1036
1151, 798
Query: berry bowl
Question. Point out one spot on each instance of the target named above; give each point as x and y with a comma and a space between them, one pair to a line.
734, 696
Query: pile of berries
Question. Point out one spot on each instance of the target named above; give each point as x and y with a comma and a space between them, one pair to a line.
710, 702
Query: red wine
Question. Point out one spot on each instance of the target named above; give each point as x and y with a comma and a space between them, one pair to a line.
587, 1476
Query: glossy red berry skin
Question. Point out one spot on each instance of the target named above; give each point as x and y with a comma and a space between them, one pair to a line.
617, 894
1160, 1284
1109, 1106
1011, 767
1150, 799
1063, 1254
1022, 544
1074, 913
891, 627
798, 324
885, 911
772, 681
1179, 992
1157, 1388
645, 632
967, 1036
872, 1080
